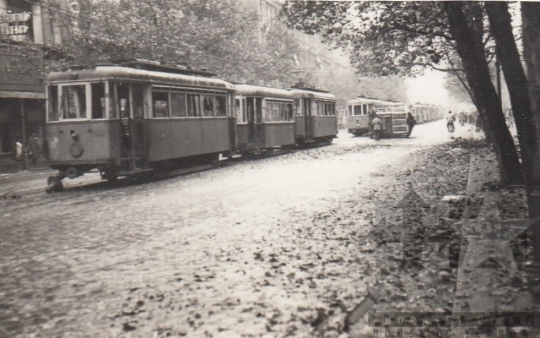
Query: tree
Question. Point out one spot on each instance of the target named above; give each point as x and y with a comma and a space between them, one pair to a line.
404, 38
218, 35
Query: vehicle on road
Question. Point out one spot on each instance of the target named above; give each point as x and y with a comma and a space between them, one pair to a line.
132, 117
358, 114
392, 113
315, 120
265, 118
425, 112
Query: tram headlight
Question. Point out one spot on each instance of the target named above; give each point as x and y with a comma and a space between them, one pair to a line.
74, 135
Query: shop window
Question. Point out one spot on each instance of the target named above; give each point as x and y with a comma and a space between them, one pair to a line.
178, 105
160, 103
194, 105
207, 105
98, 101
53, 103
221, 109
73, 102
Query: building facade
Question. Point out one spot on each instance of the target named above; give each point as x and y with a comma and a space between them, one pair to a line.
313, 54
27, 29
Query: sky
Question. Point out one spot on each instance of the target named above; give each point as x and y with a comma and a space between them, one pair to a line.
429, 88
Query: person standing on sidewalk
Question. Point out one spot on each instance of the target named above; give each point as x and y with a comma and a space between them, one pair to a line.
410, 123
377, 128
33, 149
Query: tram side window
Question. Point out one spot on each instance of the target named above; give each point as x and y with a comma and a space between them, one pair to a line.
286, 111
350, 110
298, 107
221, 109
98, 100
238, 110
178, 105
208, 105
194, 105
73, 102
53, 103
160, 103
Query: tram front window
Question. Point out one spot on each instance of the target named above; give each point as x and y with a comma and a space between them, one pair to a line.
73, 102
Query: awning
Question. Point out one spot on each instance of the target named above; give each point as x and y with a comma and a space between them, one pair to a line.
4, 94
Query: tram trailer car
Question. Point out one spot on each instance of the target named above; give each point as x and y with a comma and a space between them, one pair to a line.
358, 114
315, 119
265, 118
124, 119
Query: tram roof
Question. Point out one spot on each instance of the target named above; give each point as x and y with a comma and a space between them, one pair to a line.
268, 92
119, 73
306, 93
364, 100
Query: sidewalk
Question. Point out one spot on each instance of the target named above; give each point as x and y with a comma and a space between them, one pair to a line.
490, 278
9, 165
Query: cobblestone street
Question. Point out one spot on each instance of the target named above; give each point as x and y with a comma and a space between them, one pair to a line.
219, 252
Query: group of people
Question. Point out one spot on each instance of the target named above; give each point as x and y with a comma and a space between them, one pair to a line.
472, 118
32, 149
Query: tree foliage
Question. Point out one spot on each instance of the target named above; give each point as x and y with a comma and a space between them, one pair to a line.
218, 35
385, 38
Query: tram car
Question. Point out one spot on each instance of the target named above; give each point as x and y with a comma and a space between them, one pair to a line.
265, 118
358, 111
315, 119
135, 116
392, 113
425, 112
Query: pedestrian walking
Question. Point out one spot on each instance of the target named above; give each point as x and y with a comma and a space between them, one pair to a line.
410, 122
33, 148
377, 128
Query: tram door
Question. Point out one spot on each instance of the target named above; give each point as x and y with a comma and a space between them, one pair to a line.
307, 105
254, 119
123, 103
138, 137
130, 100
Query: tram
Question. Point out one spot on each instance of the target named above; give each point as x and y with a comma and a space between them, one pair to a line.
358, 116
361, 108
265, 118
315, 119
425, 112
135, 116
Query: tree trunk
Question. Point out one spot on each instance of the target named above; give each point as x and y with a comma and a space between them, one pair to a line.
471, 50
501, 27
530, 14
